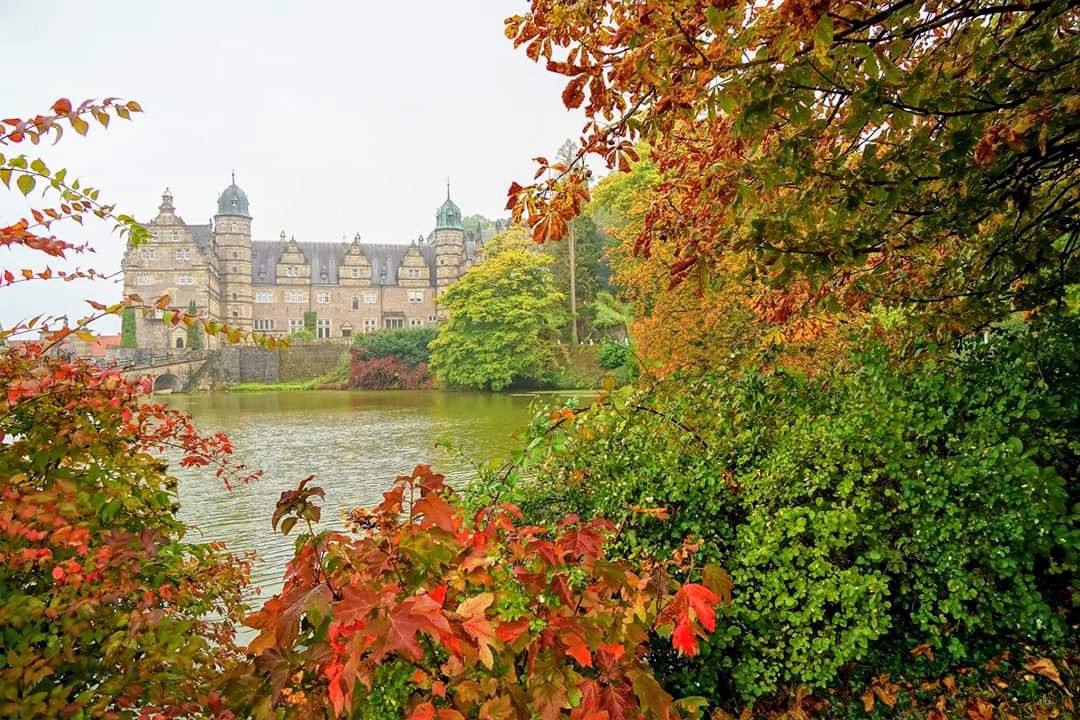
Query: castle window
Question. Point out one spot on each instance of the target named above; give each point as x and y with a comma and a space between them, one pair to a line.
322, 328
290, 271
416, 296
142, 280
414, 273
394, 323
182, 254
264, 296
232, 227
234, 268
354, 273
185, 280
296, 297
264, 324
370, 298
234, 254
179, 343
415, 322
433, 318
370, 324
176, 236
148, 253
324, 298
235, 297
296, 324
346, 332
356, 303
236, 313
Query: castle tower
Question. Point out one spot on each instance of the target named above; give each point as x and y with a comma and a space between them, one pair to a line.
449, 243
232, 240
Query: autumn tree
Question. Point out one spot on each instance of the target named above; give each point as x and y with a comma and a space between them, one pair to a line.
106, 610
501, 318
908, 153
713, 322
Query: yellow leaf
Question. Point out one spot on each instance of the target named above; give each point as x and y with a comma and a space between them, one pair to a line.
1046, 668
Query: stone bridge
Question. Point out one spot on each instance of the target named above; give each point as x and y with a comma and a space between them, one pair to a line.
170, 372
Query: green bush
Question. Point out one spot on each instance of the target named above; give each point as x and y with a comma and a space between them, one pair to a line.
858, 514
613, 355
408, 345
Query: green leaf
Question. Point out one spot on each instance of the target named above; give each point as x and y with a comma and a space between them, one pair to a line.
25, 183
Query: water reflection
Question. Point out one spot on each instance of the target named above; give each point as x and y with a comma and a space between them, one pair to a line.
355, 443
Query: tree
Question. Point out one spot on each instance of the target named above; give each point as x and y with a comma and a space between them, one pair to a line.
194, 332
107, 611
715, 321
501, 318
911, 153
128, 340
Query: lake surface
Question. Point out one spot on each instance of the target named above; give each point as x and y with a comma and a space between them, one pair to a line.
355, 443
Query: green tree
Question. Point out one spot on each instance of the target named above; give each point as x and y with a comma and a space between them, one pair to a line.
502, 317
194, 331
127, 329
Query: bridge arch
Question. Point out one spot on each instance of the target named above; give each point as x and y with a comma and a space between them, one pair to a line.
167, 382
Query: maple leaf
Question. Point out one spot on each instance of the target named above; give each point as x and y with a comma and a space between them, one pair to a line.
415, 614
649, 693
508, 632
471, 611
436, 511
497, 708
549, 697
576, 648
423, 711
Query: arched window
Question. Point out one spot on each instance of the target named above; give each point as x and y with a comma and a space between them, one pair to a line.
179, 342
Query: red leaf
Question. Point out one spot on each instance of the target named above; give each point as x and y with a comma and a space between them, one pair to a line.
576, 648
511, 631
423, 711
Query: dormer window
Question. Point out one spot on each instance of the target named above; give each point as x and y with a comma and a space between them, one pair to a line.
232, 226
176, 236
354, 273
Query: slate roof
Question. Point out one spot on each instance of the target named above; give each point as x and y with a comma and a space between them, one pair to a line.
328, 257
200, 234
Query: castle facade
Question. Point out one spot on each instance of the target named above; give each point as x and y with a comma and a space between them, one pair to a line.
277, 287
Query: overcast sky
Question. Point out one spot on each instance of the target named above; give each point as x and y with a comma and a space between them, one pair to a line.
337, 117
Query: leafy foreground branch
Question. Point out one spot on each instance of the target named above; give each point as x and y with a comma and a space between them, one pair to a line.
105, 611
488, 618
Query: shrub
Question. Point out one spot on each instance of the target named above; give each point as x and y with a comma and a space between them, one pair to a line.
103, 606
613, 355
487, 617
387, 374
857, 513
407, 345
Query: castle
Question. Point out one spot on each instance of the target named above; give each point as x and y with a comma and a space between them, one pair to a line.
277, 287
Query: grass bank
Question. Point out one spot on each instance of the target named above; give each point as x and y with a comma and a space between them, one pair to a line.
313, 384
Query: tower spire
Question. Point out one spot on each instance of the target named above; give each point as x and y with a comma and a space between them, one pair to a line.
233, 177
447, 187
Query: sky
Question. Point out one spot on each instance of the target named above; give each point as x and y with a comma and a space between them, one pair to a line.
337, 117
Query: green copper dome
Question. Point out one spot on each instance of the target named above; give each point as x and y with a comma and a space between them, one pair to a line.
448, 216
233, 201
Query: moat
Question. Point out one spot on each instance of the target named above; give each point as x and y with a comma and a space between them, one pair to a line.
354, 442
